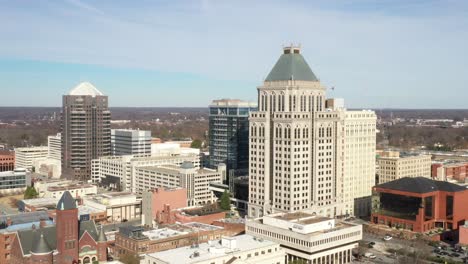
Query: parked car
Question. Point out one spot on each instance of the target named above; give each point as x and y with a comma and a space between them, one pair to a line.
455, 255
387, 237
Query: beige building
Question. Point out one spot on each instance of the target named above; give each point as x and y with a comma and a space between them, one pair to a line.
119, 206
196, 181
54, 188
307, 237
244, 249
298, 146
395, 166
86, 132
359, 161
26, 156
118, 172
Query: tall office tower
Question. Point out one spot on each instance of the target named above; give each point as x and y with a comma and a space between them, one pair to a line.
229, 134
54, 143
297, 145
86, 132
130, 142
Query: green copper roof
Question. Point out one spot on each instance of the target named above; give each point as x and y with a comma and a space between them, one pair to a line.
291, 66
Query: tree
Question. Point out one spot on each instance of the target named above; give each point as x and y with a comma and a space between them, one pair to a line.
196, 144
129, 259
30, 193
225, 201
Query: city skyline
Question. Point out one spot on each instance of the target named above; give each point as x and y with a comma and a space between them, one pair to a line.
376, 54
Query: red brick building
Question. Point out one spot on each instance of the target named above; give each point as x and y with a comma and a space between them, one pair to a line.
206, 215
157, 201
68, 241
450, 171
463, 234
420, 204
7, 161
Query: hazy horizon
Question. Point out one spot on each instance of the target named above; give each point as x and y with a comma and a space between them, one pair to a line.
376, 54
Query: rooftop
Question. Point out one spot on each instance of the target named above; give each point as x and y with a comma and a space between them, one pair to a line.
420, 185
85, 88
212, 249
291, 66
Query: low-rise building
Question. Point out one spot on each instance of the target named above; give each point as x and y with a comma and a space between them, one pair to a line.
14, 181
54, 188
118, 172
463, 234
419, 204
168, 148
450, 171
154, 201
119, 206
140, 241
307, 237
25, 156
7, 161
245, 249
399, 165
196, 181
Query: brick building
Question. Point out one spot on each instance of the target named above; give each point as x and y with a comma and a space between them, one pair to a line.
68, 241
7, 161
138, 240
206, 215
450, 171
155, 200
420, 204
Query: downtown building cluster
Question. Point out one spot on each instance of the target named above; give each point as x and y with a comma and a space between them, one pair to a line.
300, 164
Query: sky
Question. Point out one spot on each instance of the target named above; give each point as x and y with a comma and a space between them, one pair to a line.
375, 53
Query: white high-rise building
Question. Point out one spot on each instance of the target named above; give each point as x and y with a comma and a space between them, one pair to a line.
55, 147
298, 146
130, 142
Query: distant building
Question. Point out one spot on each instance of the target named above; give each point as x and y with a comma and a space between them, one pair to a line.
140, 241
155, 200
184, 143
86, 132
419, 204
14, 181
130, 142
167, 148
396, 166
229, 134
118, 172
68, 241
56, 187
54, 144
119, 206
7, 161
450, 171
244, 248
25, 156
307, 237
194, 180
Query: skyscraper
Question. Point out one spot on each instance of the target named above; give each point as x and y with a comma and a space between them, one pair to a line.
86, 132
229, 134
298, 145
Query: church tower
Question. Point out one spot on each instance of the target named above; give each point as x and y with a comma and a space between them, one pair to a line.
67, 229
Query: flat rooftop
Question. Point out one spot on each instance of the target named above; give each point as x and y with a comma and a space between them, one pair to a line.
163, 233
41, 201
302, 218
211, 250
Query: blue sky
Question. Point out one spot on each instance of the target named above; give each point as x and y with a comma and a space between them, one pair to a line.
376, 53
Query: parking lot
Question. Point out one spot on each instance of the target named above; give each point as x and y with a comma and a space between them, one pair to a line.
381, 249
